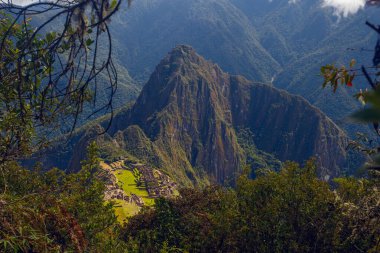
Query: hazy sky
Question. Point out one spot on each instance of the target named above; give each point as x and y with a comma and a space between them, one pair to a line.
341, 7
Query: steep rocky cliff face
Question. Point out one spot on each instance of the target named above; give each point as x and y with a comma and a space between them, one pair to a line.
190, 111
288, 127
184, 110
283, 42
188, 118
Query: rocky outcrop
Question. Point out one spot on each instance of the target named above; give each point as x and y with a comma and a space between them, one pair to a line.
187, 117
190, 109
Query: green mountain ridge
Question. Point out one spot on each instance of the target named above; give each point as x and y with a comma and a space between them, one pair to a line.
215, 28
187, 118
267, 41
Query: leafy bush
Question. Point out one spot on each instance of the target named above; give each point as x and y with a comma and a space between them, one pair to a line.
286, 211
56, 212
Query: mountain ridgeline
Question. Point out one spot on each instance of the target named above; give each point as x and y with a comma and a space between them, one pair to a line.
189, 119
269, 41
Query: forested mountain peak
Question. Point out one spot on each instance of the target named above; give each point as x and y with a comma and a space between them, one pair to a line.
198, 123
268, 41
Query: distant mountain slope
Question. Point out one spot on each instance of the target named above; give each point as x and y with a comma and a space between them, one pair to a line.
128, 89
188, 117
215, 28
303, 37
259, 39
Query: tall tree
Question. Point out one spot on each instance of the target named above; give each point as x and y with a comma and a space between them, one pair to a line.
52, 54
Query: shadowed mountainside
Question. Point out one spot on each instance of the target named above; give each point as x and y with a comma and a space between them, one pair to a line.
268, 41
187, 119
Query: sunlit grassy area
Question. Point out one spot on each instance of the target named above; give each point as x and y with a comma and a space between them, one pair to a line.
125, 209
126, 180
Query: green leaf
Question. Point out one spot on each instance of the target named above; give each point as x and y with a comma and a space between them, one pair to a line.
367, 115
89, 42
50, 37
352, 63
113, 4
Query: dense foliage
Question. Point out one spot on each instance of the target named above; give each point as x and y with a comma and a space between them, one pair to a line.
49, 73
56, 212
287, 211
44, 78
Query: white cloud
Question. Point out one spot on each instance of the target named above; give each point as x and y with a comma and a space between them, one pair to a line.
20, 2
344, 7
340, 7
